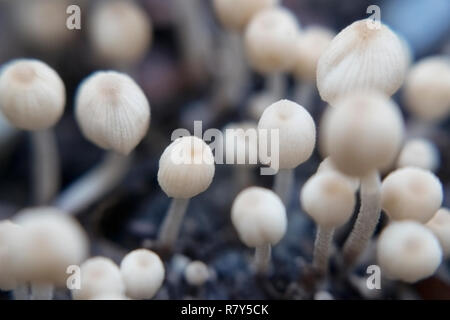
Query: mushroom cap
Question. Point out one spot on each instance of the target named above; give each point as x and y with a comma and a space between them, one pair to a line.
112, 111
311, 43
11, 249
420, 153
143, 273
362, 132
327, 165
411, 194
440, 225
361, 58
408, 251
186, 168
241, 140
32, 95
259, 217
120, 32
329, 199
99, 276
427, 89
296, 129
236, 14
53, 241
196, 273
110, 296
270, 40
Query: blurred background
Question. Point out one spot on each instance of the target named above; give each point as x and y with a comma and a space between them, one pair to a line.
181, 72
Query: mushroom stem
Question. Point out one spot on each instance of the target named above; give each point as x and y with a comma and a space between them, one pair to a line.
172, 223
276, 85
21, 292
283, 184
41, 291
94, 184
262, 258
46, 172
324, 237
304, 94
367, 219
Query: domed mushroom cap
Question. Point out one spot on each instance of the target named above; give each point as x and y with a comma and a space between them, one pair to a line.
143, 273
11, 250
411, 194
186, 168
235, 14
440, 225
32, 95
362, 132
112, 111
327, 165
311, 43
99, 276
420, 153
427, 89
408, 251
53, 241
296, 129
329, 199
361, 58
270, 40
120, 32
241, 140
196, 273
259, 217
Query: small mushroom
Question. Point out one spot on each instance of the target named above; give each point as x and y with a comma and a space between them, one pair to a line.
196, 273
420, 153
440, 225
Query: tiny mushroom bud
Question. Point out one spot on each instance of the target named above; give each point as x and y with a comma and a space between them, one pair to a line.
329, 199
427, 89
235, 14
411, 194
420, 153
32, 95
270, 40
259, 217
440, 225
408, 251
120, 32
196, 273
143, 273
11, 238
297, 139
112, 111
362, 58
99, 276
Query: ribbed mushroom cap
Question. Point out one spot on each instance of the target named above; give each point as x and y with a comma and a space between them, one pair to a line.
196, 273
120, 32
408, 251
53, 241
420, 153
311, 43
241, 140
440, 225
362, 132
270, 40
427, 88
186, 168
11, 250
411, 194
259, 217
235, 14
112, 111
327, 165
328, 198
361, 58
297, 132
32, 95
143, 273
99, 276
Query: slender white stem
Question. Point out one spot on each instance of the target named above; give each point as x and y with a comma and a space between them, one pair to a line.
262, 258
324, 238
276, 85
171, 226
41, 291
284, 180
94, 184
21, 292
46, 171
304, 94
367, 219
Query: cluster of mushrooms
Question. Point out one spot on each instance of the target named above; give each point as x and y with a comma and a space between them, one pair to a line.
362, 138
